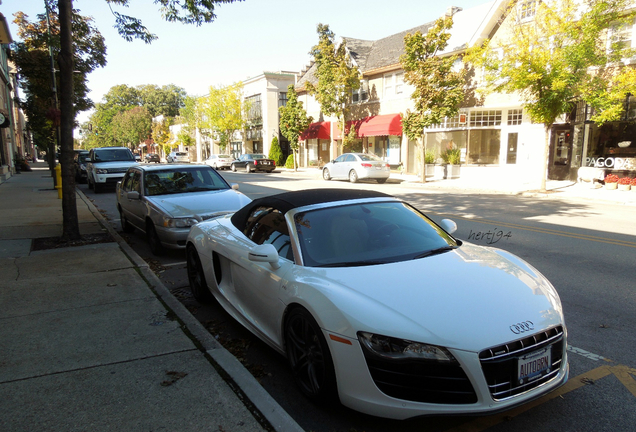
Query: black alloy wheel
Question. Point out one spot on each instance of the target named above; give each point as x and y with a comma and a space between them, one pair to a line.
153, 240
309, 357
196, 277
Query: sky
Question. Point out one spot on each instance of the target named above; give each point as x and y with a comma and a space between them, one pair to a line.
246, 39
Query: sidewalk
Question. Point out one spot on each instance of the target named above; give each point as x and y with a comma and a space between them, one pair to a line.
91, 340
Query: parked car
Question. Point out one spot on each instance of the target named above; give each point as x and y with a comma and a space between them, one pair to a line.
107, 165
219, 161
357, 166
152, 157
178, 157
80, 159
164, 201
253, 162
374, 303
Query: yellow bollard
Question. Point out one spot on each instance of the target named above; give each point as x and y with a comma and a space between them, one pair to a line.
58, 180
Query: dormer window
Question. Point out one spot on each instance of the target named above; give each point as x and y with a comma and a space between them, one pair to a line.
527, 9
362, 93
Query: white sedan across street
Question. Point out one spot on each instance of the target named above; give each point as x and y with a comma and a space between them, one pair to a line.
164, 201
377, 306
357, 166
219, 161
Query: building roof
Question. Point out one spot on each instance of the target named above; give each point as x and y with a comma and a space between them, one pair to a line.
470, 26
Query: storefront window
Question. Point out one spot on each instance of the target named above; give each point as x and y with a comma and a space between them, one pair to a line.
612, 146
484, 146
438, 142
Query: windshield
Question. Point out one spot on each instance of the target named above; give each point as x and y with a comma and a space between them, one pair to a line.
182, 180
369, 157
115, 155
368, 234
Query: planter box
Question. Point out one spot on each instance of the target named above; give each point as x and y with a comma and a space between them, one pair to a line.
623, 187
452, 171
439, 171
611, 186
430, 171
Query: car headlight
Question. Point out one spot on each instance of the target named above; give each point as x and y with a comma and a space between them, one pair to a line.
101, 171
179, 222
394, 348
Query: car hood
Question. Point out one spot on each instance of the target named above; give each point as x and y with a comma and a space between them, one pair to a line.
115, 164
464, 299
200, 203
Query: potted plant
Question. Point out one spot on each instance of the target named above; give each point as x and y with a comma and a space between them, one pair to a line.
429, 163
623, 183
452, 156
611, 181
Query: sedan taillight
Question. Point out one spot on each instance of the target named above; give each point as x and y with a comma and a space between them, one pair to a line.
366, 165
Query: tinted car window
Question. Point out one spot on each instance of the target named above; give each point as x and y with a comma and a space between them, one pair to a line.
267, 225
366, 234
116, 155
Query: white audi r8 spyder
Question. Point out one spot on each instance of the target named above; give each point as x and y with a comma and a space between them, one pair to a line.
375, 304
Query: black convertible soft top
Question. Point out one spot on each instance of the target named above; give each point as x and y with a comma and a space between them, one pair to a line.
290, 200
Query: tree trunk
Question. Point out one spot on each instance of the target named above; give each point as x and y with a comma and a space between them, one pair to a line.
546, 155
70, 225
424, 139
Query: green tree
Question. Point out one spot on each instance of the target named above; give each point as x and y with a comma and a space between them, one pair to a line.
275, 153
223, 112
33, 62
132, 127
185, 11
548, 60
293, 121
438, 86
161, 134
337, 78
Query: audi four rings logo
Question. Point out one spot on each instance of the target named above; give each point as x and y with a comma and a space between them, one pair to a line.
522, 327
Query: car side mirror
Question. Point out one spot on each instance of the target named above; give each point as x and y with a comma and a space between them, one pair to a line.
265, 253
448, 225
235, 186
132, 195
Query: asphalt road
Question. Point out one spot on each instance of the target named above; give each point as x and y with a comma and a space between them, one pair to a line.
586, 250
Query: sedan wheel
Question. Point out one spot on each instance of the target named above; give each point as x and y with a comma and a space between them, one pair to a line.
248, 168
196, 277
309, 357
381, 180
325, 174
153, 240
125, 225
233, 168
353, 176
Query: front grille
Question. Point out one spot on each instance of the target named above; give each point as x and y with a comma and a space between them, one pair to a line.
116, 170
421, 381
499, 364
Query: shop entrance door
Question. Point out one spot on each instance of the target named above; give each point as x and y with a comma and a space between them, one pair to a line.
560, 153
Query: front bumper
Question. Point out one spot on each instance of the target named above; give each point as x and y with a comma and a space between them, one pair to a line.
357, 389
172, 238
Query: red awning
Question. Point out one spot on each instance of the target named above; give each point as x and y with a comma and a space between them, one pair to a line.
318, 130
390, 124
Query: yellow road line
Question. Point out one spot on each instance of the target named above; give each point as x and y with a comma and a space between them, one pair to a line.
626, 376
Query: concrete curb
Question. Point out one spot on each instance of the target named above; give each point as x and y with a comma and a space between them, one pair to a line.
240, 379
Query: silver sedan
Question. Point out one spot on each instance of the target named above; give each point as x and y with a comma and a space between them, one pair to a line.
165, 201
356, 166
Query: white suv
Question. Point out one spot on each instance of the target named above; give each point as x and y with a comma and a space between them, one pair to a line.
178, 157
107, 166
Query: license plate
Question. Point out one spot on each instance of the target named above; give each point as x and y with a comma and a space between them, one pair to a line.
534, 365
